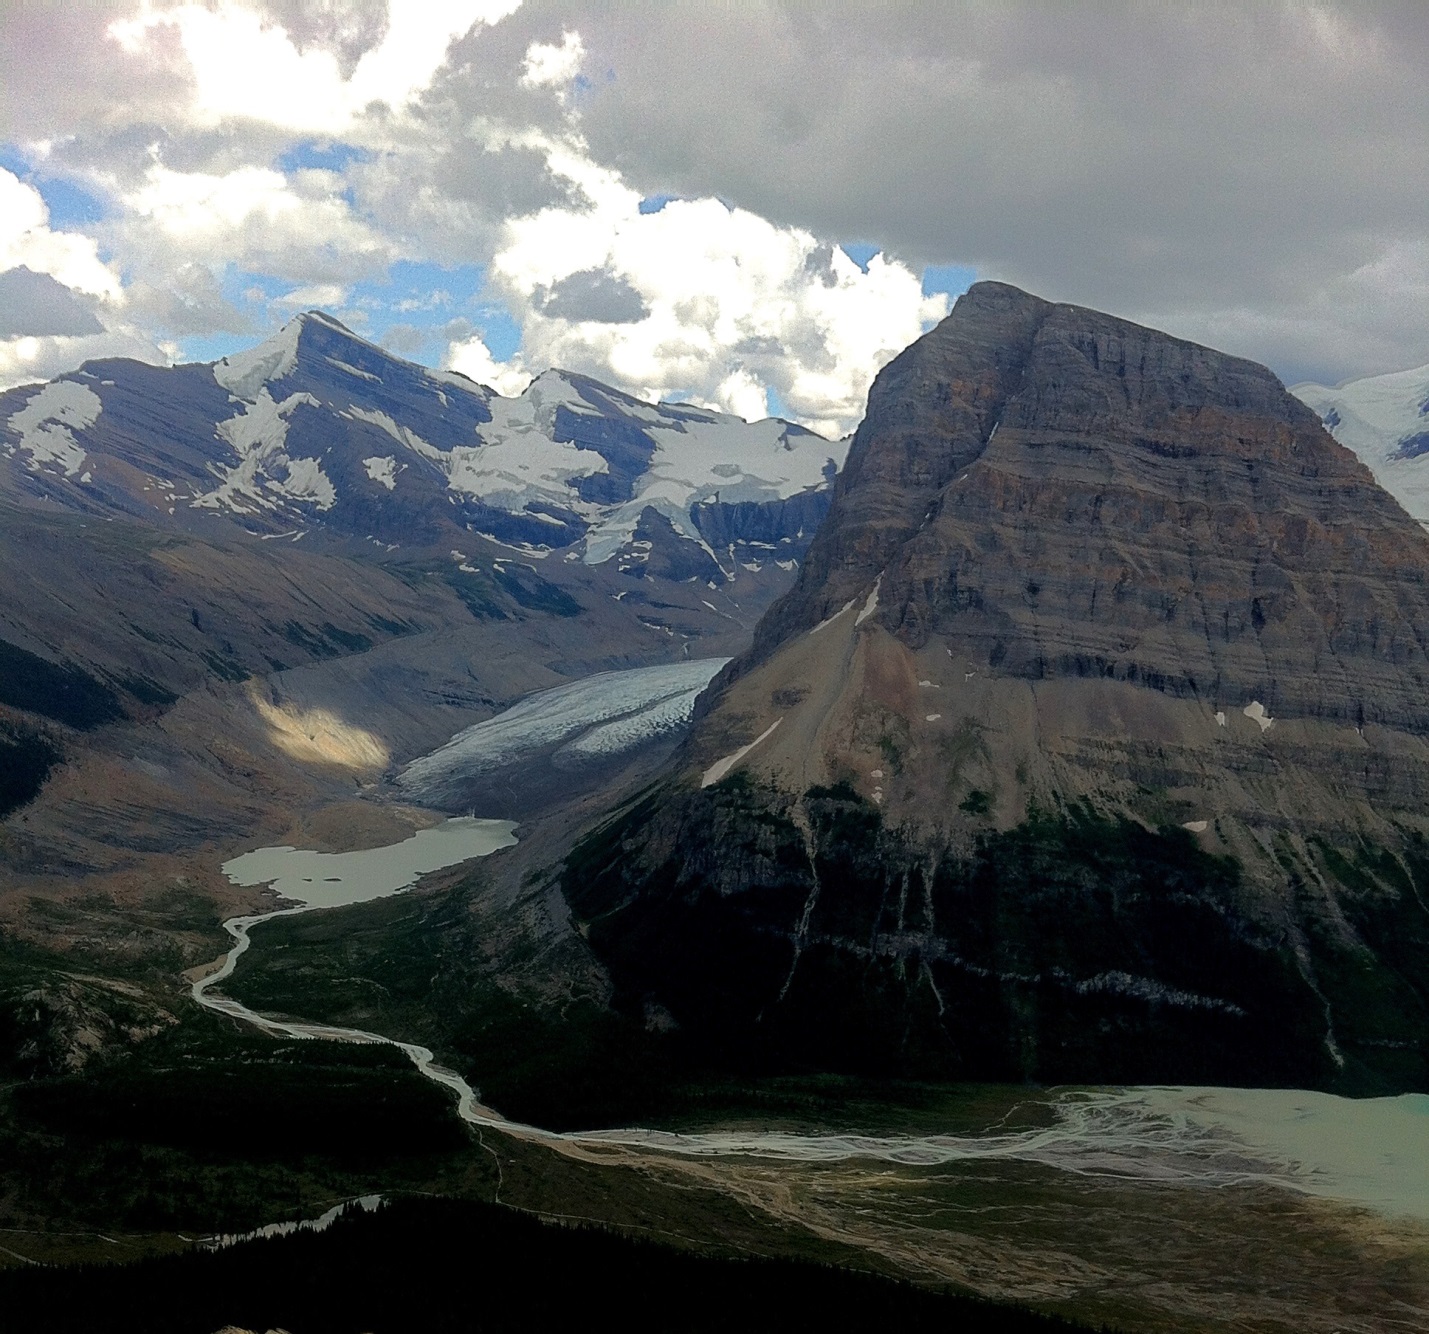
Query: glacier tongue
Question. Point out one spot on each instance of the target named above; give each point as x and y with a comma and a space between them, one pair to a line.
597, 717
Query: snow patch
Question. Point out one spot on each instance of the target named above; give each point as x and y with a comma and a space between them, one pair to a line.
871, 605
48, 421
353, 370
264, 470
382, 470
400, 434
931, 717
1255, 711
720, 768
244, 374
829, 620
1195, 826
1220, 719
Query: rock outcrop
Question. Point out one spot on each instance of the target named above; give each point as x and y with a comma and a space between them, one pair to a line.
1090, 743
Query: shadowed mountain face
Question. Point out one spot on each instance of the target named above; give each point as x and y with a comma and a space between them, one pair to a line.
1090, 743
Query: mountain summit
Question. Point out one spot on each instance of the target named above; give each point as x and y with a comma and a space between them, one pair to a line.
1090, 743
319, 432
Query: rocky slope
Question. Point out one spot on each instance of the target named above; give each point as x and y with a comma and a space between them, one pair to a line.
1090, 743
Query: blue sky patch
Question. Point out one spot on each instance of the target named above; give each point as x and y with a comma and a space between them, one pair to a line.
321, 154
954, 279
70, 204
860, 252
422, 305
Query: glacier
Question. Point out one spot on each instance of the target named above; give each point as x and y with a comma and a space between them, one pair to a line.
597, 717
1384, 419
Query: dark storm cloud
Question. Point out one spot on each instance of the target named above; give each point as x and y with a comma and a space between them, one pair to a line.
594, 294
1257, 175
36, 305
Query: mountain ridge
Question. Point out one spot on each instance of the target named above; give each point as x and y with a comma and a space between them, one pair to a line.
316, 430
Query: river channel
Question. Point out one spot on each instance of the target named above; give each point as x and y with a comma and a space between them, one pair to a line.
1367, 1152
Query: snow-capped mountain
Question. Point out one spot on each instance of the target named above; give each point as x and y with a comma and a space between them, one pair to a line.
1385, 420
317, 431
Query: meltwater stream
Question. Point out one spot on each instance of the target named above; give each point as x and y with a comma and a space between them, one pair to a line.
1368, 1152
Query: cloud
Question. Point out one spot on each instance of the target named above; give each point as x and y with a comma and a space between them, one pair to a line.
1256, 177
703, 302
246, 65
550, 66
1169, 162
594, 294
26, 239
314, 296
297, 226
30, 360
409, 339
472, 358
35, 304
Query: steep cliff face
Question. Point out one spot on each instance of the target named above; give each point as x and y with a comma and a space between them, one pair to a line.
1090, 743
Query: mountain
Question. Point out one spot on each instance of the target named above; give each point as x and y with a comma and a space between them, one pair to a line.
318, 433
1089, 745
236, 598
1385, 420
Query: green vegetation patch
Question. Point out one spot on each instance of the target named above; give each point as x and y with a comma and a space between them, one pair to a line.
206, 1127
414, 968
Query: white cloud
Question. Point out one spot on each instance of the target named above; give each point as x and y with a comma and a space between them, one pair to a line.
30, 360
473, 358
734, 305
550, 66
299, 227
26, 238
245, 66
312, 297
27, 243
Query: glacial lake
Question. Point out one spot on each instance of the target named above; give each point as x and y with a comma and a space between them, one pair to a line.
332, 879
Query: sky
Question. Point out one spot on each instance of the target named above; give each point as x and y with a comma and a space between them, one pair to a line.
750, 206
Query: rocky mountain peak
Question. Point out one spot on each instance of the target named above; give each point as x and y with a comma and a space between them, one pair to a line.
1099, 697
1059, 493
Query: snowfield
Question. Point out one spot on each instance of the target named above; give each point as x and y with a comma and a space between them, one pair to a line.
47, 424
